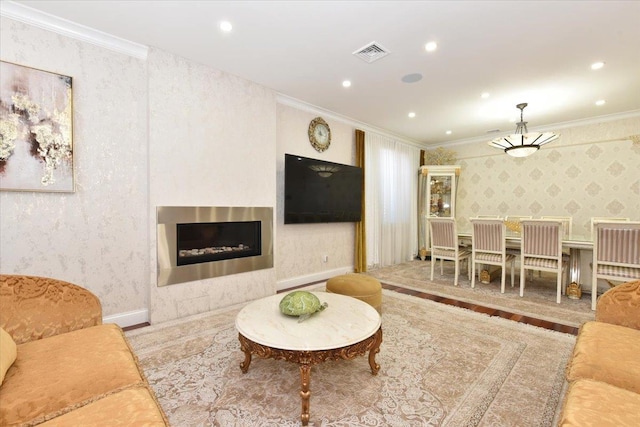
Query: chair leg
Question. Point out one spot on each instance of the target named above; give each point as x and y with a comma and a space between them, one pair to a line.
594, 287
513, 276
473, 274
503, 277
522, 273
559, 286
433, 264
457, 272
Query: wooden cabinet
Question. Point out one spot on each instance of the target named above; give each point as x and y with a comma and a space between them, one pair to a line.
437, 197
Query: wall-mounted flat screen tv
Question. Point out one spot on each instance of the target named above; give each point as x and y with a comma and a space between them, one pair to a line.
317, 191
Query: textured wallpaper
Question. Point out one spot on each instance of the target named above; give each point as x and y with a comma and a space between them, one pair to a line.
212, 140
301, 248
97, 236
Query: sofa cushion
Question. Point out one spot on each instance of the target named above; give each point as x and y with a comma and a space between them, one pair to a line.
607, 353
590, 403
7, 353
65, 370
135, 406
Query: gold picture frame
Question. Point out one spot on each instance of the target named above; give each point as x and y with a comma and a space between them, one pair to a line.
36, 130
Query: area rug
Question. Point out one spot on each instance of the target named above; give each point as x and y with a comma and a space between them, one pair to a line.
539, 300
440, 366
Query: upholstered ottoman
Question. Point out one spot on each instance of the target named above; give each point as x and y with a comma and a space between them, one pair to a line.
365, 288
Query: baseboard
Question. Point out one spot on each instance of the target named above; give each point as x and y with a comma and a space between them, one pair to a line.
311, 278
129, 318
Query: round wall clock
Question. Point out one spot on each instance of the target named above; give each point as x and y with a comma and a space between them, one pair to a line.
319, 134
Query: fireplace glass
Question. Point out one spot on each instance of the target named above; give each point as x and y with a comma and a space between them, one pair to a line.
215, 241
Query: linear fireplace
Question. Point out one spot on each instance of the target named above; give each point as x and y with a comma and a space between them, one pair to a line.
197, 243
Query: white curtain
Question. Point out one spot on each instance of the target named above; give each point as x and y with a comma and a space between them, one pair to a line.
391, 190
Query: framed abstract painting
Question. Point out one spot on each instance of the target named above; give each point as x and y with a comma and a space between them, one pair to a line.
36, 130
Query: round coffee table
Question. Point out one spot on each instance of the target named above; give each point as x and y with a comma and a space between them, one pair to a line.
346, 329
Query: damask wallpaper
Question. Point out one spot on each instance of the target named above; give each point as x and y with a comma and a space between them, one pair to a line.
591, 170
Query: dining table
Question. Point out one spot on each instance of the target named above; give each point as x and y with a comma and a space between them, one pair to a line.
575, 243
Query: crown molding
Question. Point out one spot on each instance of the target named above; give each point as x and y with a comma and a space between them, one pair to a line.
304, 106
46, 21
546, 128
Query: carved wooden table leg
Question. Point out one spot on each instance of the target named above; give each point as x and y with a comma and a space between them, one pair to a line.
305, 393
244, 365
375, 349
306, 359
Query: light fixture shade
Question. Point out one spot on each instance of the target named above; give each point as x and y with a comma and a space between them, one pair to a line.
522, 143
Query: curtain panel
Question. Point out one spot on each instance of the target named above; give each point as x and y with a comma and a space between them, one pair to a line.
391, 200
360, 256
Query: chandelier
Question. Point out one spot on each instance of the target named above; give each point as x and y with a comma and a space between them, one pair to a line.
522, 143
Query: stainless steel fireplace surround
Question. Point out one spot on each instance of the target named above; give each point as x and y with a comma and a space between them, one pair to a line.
169, 218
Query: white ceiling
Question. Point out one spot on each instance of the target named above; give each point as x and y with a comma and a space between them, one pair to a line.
537, 52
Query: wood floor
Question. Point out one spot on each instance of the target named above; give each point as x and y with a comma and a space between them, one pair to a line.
486, 310
473, 307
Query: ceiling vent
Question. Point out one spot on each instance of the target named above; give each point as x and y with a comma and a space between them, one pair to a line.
371, 52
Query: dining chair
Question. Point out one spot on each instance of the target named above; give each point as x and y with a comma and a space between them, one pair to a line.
567, 223
595, 219
488, 246
445, 247
567, 229
541, 249
616, 253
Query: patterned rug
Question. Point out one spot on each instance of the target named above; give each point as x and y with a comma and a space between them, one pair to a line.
539, 299
440, 366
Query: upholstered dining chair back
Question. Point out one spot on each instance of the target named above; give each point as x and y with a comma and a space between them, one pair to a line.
567, 223
616, 253
541, 249
596, 219
443, 234
444, 245
488, 246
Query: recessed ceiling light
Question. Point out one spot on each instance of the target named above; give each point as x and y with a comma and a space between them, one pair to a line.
448, 132
226, 26
601, 102
484, 95
412, 114
431, 46
346, 83
597, 65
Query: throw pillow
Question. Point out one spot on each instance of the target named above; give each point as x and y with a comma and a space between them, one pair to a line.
8, 353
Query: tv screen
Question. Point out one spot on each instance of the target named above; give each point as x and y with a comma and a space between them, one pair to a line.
319, 191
